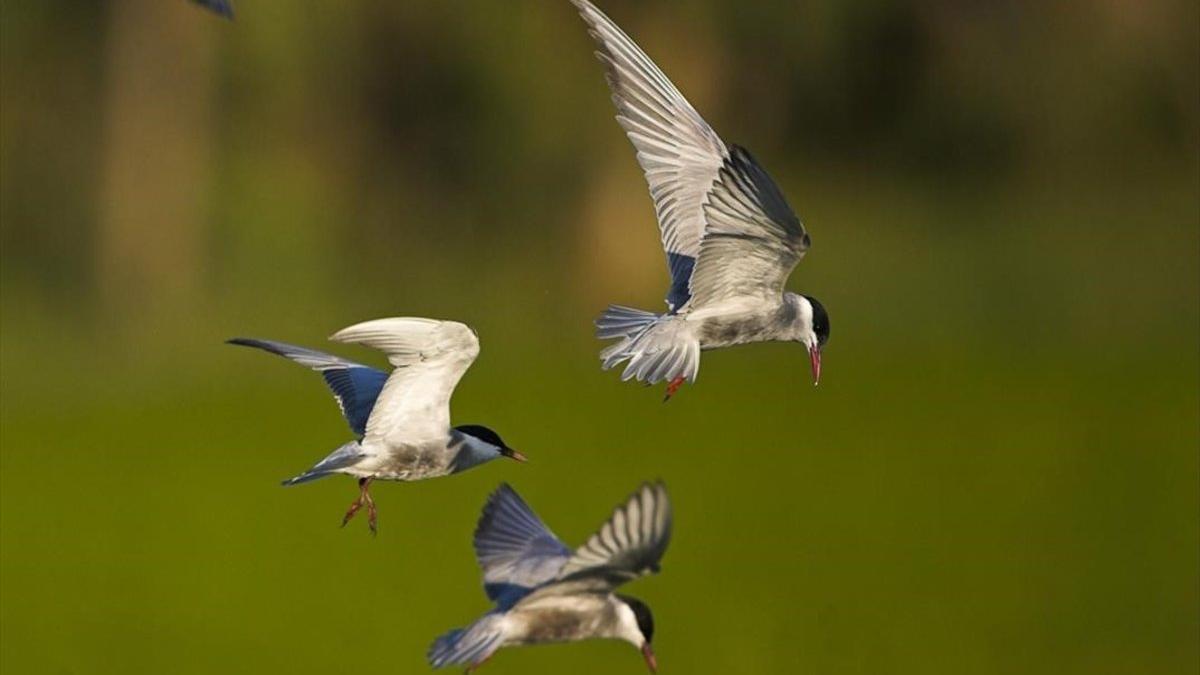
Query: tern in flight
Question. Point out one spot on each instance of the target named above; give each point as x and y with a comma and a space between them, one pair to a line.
545, 592
730, 237
402, 420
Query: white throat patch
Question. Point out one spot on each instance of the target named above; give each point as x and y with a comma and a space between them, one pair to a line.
627, 626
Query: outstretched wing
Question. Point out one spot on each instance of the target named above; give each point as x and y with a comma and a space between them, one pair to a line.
753, 240
678, 151
430, 357
354, 386
515, 549
629, 545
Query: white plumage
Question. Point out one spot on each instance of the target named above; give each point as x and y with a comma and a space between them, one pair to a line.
730, 237
403, 418
430, 357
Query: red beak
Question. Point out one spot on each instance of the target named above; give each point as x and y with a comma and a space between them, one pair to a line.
648, 654
814, 357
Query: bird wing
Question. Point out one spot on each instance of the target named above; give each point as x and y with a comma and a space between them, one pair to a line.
515, 549
429, 357
355, 386
629, 545
753, 240
678, 151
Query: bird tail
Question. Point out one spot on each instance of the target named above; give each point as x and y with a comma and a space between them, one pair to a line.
618, 321
658, 347
470, 646
347, 455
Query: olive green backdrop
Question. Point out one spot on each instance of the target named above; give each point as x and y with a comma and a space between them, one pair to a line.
998, 473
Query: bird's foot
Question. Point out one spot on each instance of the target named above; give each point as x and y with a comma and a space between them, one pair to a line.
364, 498
351, 511
372, 516
673, 387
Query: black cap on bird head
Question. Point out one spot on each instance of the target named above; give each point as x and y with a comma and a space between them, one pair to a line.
645, 624
820, 320
820, 328
491, 438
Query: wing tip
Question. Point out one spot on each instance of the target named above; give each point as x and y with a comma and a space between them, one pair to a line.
584, 5
278, 348
654, 488
502, 491
495, 501
440, 649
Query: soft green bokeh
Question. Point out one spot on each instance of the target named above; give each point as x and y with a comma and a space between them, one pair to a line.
998, 473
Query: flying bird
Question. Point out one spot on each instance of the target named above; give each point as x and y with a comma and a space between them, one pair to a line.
730, 237
222, 7
402, 420
545, 592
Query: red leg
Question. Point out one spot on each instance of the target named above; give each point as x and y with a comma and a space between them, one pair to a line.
673, 387
372, 515
363, 498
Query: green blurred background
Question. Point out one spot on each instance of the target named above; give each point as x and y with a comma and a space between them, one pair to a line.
998, 473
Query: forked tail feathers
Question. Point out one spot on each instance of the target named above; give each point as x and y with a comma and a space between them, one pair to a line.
658, 347
468, 646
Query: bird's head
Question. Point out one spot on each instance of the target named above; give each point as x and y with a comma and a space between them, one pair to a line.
811, 328
637, 627
490, 441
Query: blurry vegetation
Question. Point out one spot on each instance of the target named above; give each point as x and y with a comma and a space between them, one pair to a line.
998, 474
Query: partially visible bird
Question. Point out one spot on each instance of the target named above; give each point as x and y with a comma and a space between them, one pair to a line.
730, 237
402, 420
222, 7
545, 592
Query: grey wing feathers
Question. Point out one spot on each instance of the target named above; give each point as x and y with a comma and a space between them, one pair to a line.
355, 386
630, 544
753, 241
678, 151
514, 547
746, 199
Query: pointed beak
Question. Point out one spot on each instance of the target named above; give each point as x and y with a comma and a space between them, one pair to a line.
513, 454
814, 357
648, 654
